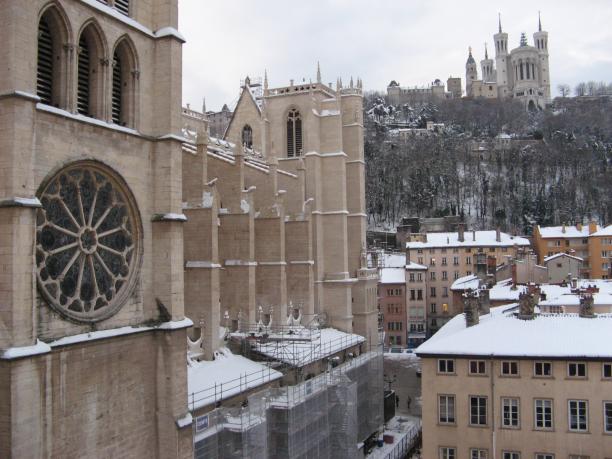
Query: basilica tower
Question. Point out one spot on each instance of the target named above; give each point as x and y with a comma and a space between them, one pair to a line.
501, 62
471, 73
540, 39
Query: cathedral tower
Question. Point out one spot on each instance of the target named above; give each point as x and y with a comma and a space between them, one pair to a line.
501, 62
471, 73
487, 68
540, 40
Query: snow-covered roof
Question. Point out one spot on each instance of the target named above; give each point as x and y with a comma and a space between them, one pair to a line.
607, 231
558, 255
226, 376
394, 260
304, 351
413, 265
502, 334
572, 299
466, 283
470, 239
564, 231
504, 290
393, 275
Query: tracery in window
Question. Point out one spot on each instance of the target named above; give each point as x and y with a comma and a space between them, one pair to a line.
294, 133
247, 136
87, 242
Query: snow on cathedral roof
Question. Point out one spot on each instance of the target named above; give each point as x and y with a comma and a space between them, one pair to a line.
501, 334
471, 239
393, 275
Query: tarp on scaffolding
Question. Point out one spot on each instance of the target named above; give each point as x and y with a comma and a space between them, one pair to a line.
323, 417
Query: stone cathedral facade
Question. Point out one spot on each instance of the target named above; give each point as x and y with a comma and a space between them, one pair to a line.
118, 233
522, 73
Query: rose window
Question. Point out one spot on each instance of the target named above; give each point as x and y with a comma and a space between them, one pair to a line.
87, 242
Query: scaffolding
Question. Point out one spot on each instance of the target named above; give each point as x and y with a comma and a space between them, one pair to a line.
321, 417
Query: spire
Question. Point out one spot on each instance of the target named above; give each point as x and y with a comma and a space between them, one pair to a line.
470, 57
265, 79
486, 52
318, 72
499, 20
204, 105
351, 83
539, 22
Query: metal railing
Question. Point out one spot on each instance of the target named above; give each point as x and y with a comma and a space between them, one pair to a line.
406, 444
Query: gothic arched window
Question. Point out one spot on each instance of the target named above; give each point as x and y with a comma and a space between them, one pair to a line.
294, 133
125, 75
51, 60
87, 242
247, 136
89, 72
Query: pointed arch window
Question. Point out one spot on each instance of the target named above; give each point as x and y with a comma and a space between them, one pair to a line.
125, 77
117, 93
83, 83
294, 133
50, 59
247, 136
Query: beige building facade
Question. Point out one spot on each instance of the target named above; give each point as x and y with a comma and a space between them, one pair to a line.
503, 386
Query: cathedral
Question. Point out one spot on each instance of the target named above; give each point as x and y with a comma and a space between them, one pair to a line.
127, 233
522, 73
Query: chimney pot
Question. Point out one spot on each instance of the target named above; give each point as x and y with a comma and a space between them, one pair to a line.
460, 232
586, 306
497, 234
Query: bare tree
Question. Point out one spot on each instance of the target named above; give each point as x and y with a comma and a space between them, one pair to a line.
564, 90
580, 89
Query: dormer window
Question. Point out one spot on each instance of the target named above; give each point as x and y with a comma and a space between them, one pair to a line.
294, 134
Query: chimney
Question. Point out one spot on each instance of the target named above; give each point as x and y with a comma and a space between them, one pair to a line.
407, 256
470, 308
526, 306
460, 232
563, 228
474, 235
592, 227
579, 226
586, 306
484, 301
514, 275
574, 282
497, 234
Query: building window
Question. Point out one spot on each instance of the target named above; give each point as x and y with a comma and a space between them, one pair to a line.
607, 412
445, 290
578, 415
87, 242
446, 366
446, 409
432, 275
576, 370
89, 73
125, 75
542, 369
510, 412
419, 277
478, 411
543, 413
420, 260
123, 6
432, 262
443, 261
476, 453
294, 134
444, 275
456, 275
412, 295
477, 367
45, 77
468, 260
432, 308
432, 292
448, 453
411, 277
544, 456
606, 370
247, 136
511, 455
509, 368
455, 261
419, 294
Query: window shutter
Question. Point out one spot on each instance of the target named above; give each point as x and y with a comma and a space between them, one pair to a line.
117, 90
44, 78
83, 78
123, 6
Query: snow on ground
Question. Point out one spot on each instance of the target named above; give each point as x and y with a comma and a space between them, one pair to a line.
212, 381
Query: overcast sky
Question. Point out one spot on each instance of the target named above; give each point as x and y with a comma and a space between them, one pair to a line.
411, 41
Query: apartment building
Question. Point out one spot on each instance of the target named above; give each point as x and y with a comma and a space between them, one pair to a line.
392, 305
451, 255
510, 385
416, 303
590, 242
